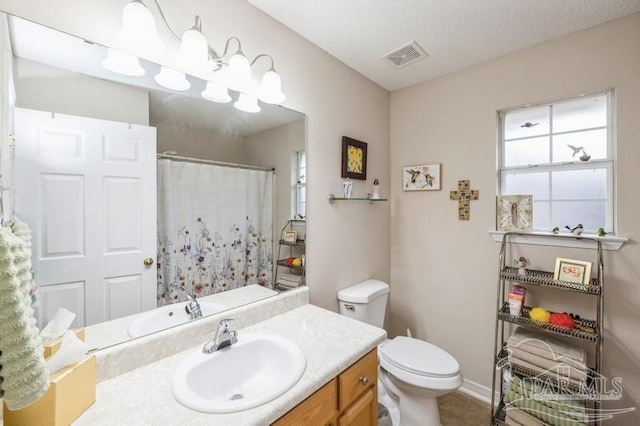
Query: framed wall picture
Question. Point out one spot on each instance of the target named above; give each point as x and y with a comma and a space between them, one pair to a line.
290, 236
573, 271
421, 178
514, 213
354, 159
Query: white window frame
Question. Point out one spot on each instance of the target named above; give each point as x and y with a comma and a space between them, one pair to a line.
296, 186
607, 164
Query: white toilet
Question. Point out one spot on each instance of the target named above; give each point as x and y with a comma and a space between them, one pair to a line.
413, 371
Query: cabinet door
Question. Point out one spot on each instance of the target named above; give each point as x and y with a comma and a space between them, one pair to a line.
364, 412
319, 409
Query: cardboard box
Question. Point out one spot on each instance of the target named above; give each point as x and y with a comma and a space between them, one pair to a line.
52, 346
71, 391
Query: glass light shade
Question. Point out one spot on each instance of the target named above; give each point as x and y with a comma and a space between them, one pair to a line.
239, 73
271, 90
172, 79
122, 63
247, 103
194, 51
138, 32
216, 92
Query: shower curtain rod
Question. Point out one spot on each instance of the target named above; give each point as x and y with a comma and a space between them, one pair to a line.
217, 163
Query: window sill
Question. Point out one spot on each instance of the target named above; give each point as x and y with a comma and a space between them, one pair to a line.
564, 240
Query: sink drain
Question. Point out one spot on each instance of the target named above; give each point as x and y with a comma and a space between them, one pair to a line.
236, 396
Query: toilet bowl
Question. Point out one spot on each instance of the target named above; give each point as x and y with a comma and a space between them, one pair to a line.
413, 372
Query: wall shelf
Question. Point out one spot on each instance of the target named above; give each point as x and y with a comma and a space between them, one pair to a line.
332, 199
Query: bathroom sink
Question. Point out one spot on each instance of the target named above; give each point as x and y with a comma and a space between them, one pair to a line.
167, 316
253, 371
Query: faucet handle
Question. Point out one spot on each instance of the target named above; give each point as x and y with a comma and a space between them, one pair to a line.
224, 324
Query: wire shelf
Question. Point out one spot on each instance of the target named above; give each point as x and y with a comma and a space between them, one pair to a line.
297, 243
588, 389
545, 279
582, 330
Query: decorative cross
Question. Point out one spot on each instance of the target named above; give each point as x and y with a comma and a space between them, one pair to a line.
463, 196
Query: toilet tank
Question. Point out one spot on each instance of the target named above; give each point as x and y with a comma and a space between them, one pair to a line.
365, 301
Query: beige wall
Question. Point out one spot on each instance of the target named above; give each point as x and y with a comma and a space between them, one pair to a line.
349, 241
187, 141
46, 88
444, 271
276, 148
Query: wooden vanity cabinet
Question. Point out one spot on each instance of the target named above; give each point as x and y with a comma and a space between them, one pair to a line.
350, 399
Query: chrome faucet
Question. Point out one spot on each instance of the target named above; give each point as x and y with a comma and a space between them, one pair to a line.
223, 338
193, 307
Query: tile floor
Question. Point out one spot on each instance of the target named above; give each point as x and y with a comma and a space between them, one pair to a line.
458, 409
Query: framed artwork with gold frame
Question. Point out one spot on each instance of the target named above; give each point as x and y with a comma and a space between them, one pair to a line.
354, 159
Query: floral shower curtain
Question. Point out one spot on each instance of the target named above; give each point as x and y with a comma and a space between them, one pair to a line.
215, 227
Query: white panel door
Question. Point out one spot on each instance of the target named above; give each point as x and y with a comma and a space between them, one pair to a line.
87, 189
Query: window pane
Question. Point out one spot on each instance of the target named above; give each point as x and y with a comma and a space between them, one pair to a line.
579, 184
516, 122
541, 216
536, 184
591, 214
594, 143
526, 151
581, 113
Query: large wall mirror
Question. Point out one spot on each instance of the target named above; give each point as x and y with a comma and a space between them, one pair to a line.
140, 197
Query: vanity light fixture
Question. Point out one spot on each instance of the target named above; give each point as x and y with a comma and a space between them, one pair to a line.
247, 103
122, 63
172, 79
216, 92
138, 33
139, 36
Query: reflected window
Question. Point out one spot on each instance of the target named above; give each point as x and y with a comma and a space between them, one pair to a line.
563, 154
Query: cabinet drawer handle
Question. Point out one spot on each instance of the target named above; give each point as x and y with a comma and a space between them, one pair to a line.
363, 379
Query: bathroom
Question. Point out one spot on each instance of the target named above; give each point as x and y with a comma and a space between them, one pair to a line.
441, 271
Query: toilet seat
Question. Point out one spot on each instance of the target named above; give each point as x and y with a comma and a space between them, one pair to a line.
420, 363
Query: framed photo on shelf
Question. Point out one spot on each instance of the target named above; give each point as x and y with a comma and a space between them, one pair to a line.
573, 271
421, 178
354, 159
290, 236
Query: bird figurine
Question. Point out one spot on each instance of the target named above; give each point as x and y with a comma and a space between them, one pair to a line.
601, 232
529, 124
576, 230
556, 230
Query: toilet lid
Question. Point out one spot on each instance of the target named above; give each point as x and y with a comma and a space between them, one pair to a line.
419, 357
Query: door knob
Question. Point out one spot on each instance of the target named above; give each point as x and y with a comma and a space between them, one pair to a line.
148, 261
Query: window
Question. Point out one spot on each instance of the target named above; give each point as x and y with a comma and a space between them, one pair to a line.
563, 154
299, 188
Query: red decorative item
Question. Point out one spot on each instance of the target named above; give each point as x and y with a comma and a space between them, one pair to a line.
562, 320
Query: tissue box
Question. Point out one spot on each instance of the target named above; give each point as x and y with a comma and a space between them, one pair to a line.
52, 346
71, 391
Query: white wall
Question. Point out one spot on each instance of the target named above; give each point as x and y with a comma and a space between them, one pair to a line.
46, 88
348, 241
444, 271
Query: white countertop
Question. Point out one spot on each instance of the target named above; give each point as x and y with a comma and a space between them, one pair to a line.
331, 343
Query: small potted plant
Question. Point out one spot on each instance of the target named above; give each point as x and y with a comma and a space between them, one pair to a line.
521, 263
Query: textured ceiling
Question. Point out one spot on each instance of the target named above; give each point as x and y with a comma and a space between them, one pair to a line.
454, 33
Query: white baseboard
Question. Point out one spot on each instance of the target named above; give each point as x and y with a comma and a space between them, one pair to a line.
477, 391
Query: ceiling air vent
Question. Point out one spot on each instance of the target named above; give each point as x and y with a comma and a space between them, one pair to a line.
405, 55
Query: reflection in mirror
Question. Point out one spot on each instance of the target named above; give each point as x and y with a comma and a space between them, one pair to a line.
119, 230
